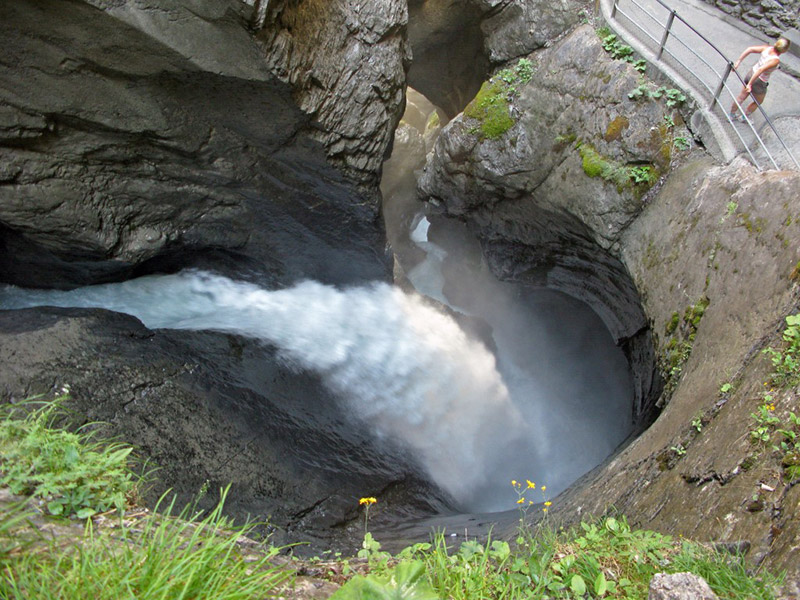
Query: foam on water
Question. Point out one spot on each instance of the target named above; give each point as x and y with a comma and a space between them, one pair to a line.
401, 367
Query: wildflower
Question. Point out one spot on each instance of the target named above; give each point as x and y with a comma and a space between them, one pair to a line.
521, 501
514, 482
770, 407
544, 487
531, 485
367, 501
548, 503
544, 510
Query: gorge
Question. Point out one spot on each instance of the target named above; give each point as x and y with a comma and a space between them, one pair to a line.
151, 142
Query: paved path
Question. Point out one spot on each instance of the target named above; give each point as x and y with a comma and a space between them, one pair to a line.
696, 67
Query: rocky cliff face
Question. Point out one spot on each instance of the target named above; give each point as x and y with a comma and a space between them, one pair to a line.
726, 238
572, 134
142, 136
710, 251
346, 63
462, 40
211, 410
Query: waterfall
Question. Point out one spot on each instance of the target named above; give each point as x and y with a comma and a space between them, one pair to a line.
398, 365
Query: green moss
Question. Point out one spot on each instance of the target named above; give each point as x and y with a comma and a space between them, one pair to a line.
682, 331
795, 274
615, 128
490, 108
433, 121
564, 140
594, 165
672, 324
635, 177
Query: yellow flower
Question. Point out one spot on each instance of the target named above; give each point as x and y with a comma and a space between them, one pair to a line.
513, 482
771, 407
521, 501
531, 485
544, 510
367, 501
548, 503
544, 487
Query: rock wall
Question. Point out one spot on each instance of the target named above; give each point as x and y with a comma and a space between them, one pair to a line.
770, 16
730, 235
462, 40
710, 251
211, 410
346, 62
144, 136
525, 190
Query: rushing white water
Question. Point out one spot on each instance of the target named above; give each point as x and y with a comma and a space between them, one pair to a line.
398, 365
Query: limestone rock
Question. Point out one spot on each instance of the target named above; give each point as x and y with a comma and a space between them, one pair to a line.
729, 234
769, 16
576, 105
679, 586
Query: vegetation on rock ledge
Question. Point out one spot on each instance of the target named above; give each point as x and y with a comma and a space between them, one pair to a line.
203, 556
491, 105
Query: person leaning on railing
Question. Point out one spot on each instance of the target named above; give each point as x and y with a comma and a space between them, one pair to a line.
757, 78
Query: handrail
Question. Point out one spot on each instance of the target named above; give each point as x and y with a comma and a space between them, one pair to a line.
719, 79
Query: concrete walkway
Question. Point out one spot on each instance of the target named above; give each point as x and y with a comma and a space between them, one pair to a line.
696, 67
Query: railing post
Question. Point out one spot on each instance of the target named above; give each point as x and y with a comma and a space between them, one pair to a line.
718, 91
666, 34
614, 10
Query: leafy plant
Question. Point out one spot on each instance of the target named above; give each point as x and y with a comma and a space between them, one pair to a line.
681, 143
643, 174
786, 360
672, 97
406, 582
679, 450
70, 472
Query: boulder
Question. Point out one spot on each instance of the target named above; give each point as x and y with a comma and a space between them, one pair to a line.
679, 586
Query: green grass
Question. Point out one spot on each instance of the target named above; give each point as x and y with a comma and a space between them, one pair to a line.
70, 472
194, 555
169, 559
604, 558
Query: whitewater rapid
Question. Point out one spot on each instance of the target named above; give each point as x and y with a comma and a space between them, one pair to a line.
397, 364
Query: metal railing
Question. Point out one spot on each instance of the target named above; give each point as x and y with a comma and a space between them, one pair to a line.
676, 36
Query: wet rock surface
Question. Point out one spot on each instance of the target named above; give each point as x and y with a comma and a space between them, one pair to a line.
346, 63
541, 218
465, 39
208, 410
727, 234
140, 148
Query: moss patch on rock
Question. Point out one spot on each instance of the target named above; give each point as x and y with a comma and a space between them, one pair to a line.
490, 108
615, 128
636, 177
